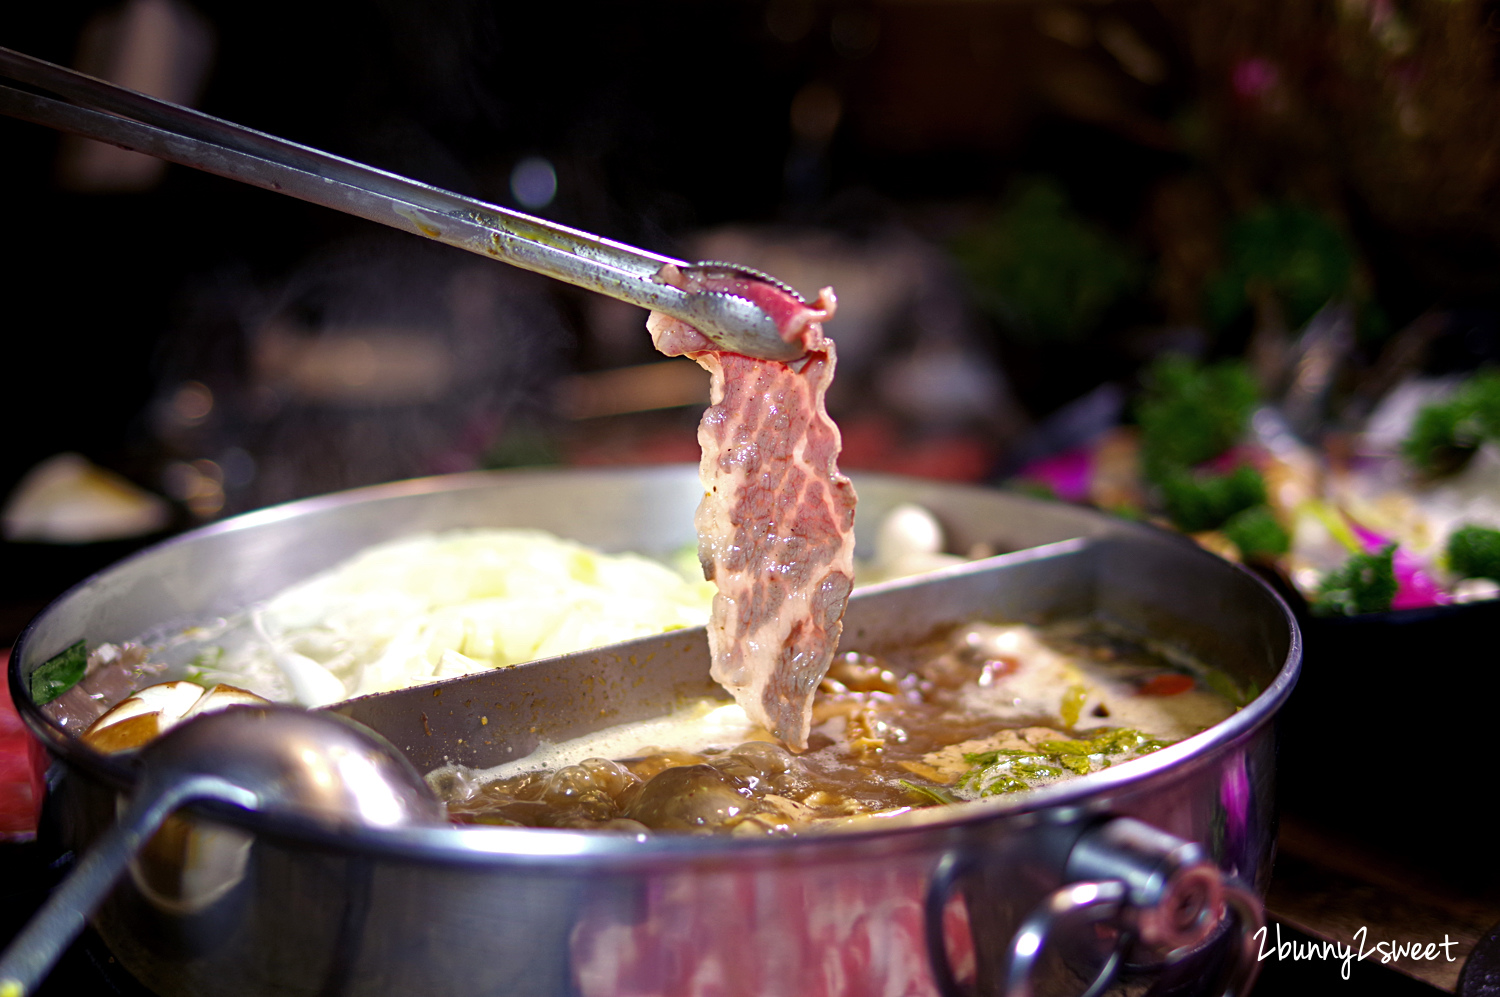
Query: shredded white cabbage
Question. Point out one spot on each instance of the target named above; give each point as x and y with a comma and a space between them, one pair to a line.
436, 606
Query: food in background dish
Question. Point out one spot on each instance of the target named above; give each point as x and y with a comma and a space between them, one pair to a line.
1403, 516
984, 710
776, 525
66, 499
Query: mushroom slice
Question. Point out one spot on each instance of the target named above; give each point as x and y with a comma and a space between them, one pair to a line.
221, 697
157, 708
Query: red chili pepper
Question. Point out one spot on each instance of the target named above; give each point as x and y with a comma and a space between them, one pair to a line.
1170, 684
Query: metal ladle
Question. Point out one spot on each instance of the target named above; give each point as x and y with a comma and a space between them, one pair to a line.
325, 770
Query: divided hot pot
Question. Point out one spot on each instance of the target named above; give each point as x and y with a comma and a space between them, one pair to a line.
1144, 874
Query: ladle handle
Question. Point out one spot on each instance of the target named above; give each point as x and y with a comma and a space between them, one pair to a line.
32, 953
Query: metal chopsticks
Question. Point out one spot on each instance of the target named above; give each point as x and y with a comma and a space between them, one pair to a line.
96, 109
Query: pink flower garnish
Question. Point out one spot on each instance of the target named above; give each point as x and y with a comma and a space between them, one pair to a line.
1068, 474
1415, 587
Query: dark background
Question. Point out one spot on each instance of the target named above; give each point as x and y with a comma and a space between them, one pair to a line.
1159, 122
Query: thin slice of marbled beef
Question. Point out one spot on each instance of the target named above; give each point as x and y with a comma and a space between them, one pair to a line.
776, 524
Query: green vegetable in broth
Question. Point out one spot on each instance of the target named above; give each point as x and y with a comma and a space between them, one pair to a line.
929, 795
59, 673
1011, 770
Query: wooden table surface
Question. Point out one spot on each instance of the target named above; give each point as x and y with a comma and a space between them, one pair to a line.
1331, 885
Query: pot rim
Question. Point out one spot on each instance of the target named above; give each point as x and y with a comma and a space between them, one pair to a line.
546, 847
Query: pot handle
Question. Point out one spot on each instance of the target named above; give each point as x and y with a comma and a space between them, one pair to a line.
1162, 894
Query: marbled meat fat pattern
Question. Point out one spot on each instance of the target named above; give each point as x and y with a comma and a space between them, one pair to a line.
776, 524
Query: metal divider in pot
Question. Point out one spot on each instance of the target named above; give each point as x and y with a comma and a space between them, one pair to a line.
983, 897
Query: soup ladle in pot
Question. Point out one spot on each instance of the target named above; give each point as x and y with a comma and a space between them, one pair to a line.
318, 769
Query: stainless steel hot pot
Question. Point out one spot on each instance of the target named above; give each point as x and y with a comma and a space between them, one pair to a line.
1147, 873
